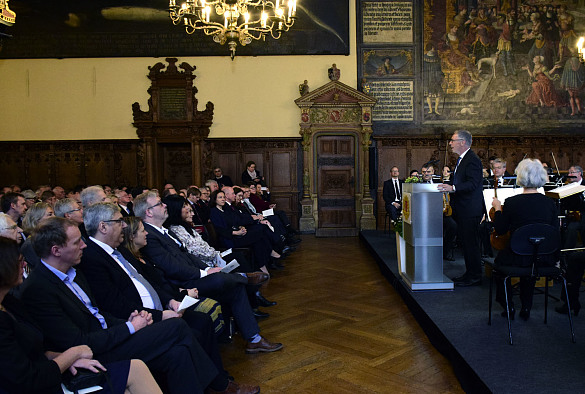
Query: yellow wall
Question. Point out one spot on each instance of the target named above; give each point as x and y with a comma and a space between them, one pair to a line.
72, 99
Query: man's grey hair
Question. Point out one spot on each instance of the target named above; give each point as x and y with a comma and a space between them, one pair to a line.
141, 203
465, 136
89, 195
210, 181
96, 213
64, 206
4, 221
501, 161
530, 173
578, 169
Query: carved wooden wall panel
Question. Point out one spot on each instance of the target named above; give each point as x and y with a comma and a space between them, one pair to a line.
276, 159
70, 163
177, 165
411, 153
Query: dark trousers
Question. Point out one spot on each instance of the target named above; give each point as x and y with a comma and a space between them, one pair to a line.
168, 348
574, 276
393, 211
526, 292
229, 289
468, 237
449, 234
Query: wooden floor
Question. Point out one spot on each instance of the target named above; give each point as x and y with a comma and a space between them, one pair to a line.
344, 330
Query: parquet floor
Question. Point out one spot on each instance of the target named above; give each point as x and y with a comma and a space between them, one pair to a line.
344, 328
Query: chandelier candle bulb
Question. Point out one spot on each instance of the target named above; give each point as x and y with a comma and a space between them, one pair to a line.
260, 18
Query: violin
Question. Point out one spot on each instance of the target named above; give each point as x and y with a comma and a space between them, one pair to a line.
499, 242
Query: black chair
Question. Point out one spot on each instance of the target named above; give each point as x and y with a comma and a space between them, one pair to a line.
537, 240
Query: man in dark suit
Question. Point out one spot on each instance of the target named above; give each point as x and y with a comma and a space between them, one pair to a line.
185, 270
58, 298
120, 288
467, 204
221, 179
124, 202
392, 194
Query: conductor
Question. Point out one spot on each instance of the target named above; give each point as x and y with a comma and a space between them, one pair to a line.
466, 202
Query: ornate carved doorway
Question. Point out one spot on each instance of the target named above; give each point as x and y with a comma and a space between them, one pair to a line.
336, 125
336, 181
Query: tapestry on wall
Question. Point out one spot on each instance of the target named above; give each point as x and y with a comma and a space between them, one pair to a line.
124, 28
502, 61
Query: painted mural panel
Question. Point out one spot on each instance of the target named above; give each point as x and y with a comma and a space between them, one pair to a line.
128, 28
509, 61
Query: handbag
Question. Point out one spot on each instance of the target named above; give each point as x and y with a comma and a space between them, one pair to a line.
83, 379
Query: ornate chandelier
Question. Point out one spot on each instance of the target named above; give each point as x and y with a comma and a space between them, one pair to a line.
235, 20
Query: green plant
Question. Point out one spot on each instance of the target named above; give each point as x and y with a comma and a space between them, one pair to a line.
397, 227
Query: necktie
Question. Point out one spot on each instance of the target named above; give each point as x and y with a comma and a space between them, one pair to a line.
173, 238
457, 164
136, 275
397, 189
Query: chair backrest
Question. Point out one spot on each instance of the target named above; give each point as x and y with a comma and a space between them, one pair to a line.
536, 238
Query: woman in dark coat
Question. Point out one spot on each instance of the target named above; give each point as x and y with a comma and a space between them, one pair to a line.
526, 208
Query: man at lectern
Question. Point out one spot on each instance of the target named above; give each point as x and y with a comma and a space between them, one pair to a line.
467, 204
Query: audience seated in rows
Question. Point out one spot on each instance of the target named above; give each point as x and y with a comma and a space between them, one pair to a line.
25, 367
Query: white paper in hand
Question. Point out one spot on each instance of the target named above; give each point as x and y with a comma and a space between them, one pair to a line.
226, 252
231, 266
268, 212
186, 303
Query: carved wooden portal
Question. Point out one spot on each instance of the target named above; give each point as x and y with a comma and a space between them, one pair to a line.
336, 125
172, 130
336, 180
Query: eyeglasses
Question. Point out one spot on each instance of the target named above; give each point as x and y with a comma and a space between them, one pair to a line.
456, 139
74, 210
155, 205
121, 220
10, 228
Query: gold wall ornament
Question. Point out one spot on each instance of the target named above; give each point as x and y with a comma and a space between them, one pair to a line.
234, 21
7, 16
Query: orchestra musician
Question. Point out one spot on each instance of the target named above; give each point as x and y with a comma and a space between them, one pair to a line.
525, 208
467, 203
498, 166
574, 207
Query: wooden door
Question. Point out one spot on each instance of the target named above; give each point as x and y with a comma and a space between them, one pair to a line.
336, 181
176, 165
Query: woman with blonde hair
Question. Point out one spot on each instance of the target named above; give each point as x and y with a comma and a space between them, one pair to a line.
35, 215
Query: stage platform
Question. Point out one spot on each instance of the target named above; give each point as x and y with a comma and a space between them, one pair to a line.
542, 360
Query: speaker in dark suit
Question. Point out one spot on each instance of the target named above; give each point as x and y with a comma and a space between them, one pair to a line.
467, 203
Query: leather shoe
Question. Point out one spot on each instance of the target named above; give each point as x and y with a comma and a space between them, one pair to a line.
263, 301
264, 346
461, 278
564, 309
258, 314
234, 388
469, 282
257, 278
524, 314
